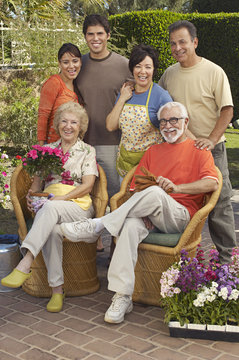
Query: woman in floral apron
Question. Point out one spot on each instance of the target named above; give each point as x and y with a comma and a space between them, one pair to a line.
135, 110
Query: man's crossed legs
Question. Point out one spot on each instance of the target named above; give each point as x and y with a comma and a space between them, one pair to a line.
127, 225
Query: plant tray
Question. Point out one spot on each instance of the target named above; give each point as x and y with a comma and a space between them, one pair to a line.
204, 334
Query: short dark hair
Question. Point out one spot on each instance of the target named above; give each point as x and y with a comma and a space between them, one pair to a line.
69, 48
140, 52
183, 24
96, 19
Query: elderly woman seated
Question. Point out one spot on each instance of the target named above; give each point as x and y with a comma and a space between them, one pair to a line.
69, 203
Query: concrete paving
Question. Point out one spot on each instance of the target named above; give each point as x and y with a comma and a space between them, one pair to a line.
29, 332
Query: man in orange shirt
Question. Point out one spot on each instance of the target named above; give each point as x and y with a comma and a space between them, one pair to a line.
180, 167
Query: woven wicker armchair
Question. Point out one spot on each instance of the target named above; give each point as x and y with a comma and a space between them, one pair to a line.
154, 259
79, 259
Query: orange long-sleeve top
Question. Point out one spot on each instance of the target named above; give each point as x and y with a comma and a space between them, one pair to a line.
54, 93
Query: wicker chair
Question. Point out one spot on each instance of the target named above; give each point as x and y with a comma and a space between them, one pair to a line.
155, 255
79, 259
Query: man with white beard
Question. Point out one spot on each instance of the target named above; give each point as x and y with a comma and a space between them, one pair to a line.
183, 175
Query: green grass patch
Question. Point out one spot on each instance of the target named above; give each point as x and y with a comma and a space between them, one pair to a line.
232, 145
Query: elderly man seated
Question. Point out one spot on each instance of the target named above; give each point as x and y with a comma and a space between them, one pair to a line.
187, 172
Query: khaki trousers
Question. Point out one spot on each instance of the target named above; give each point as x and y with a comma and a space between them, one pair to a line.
127, 225
46, 235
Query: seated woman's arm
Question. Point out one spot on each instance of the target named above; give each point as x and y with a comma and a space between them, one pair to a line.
80, 190
112, 120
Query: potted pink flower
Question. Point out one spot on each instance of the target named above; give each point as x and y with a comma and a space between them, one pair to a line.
43, 161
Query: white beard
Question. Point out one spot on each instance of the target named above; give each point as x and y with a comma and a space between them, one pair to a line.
167, 134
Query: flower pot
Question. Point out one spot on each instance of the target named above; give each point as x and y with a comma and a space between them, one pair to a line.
216, 327
197, 326
232, 328
176, 324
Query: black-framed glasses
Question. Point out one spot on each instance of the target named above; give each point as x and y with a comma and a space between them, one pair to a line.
172, 121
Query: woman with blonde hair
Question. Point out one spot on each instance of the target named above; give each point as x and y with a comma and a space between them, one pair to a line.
71, 202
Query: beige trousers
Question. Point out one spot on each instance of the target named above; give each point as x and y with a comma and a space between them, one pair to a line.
46, 235
127, 225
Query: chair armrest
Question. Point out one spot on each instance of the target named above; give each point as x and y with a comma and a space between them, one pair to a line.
20, 183
99, 193
124, 193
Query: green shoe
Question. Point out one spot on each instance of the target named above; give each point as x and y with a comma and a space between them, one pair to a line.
15, 279
56, 303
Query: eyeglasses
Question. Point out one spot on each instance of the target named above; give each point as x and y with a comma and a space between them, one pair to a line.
172, 121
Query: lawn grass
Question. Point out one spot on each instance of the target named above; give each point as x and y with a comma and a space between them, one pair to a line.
232, 145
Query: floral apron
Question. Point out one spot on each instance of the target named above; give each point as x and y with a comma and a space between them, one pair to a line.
138, 134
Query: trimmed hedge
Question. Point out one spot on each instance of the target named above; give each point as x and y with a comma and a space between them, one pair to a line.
218, 39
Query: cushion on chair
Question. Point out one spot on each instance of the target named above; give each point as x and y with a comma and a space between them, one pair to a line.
157, 238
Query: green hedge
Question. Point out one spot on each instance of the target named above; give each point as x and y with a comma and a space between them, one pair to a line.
218, 39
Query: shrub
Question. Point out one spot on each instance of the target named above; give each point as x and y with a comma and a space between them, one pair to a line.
19, 113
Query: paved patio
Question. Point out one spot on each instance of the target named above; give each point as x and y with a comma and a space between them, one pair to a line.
28, 331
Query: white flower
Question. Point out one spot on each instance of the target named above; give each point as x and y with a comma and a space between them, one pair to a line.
196, 303
223, 293
211, 298
177, 290
234, 295
170, 282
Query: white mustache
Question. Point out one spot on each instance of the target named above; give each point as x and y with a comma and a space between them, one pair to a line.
169, 130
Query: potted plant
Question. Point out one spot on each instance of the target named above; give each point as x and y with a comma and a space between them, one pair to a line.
44, 161
200, 295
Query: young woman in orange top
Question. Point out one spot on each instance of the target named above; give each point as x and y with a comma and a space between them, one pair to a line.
57, 90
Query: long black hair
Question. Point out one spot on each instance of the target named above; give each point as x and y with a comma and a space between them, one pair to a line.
73, 50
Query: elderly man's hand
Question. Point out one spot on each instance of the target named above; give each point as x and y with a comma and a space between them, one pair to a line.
204, 143
166, 184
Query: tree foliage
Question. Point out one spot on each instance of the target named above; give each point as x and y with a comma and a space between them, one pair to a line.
78, 8
215, 6
19, 113
31, 10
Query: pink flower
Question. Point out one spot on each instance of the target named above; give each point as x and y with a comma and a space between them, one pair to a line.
4, 173
4, 156
66, 178
57, 152
65, 157
43, 160
32, 154
6, 186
